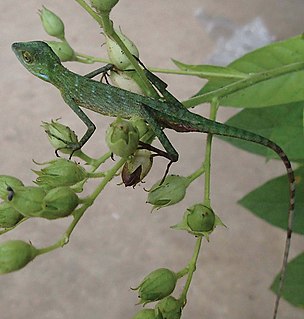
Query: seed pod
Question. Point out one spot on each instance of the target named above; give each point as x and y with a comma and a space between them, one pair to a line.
27, 200
146, 134
146, 314
103, 5
59, 202
8, 181
9, 216
169, 308
122, 138
199, 220
157, 285
170, 192
60, 135
63, 50
15, 254
115, 53
52, 24
126, 81
137, 168
60, 172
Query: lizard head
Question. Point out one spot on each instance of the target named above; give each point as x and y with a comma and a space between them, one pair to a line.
37, 57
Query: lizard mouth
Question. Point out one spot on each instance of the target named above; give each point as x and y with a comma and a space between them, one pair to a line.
16, 47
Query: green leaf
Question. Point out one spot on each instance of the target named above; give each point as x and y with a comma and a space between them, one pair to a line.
271, 201
281, 87
282, 124
293, 290
210, 71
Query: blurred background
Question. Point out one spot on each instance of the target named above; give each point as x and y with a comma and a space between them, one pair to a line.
119, 241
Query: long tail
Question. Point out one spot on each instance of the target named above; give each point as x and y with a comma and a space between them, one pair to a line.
201, 124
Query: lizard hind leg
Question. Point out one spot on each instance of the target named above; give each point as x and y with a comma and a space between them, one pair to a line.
170, 153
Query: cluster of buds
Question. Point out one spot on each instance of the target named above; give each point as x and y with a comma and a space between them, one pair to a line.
54, 197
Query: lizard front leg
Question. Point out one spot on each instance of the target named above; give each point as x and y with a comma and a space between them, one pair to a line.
85, 119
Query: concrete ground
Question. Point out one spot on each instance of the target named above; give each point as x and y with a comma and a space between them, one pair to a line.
118, 241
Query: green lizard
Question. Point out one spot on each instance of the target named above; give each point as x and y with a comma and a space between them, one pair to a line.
166, 112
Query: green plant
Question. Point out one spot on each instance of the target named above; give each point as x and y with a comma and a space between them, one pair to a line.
249, 82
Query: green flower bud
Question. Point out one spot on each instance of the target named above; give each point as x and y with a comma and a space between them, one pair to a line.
136, 168
169, 308
157, 285
171, 191
60, 135
103, 5
122, 138
9, 216
126, 81
15, 254
59, 202
63, 50
60, 172
146, 314
146, 134
27, 200
199, 220
52, 24
8, 181
115, 53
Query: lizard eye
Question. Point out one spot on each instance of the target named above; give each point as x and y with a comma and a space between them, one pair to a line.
27, 57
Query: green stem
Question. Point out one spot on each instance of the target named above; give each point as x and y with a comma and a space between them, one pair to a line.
81, 210
191, 269
110, 32
205, 168
204, 75
207, 161
244, 83
182, 272
86, 158
197, 173
89, 59
90, 11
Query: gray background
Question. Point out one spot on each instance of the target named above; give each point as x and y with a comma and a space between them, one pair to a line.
118, 241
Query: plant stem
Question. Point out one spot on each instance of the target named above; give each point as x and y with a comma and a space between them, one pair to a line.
204, 74
90, 11
89, 59
244, 83
207, 161
110, 32
197, 173
191, 269
205, 167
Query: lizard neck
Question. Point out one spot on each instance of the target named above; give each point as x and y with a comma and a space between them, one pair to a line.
60, 76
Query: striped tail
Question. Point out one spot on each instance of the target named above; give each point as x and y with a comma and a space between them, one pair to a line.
292, 188
205, 125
